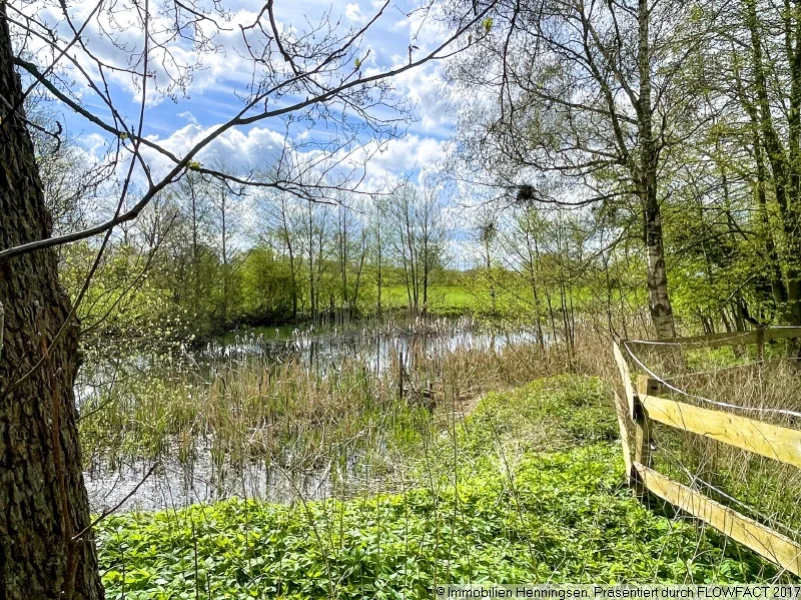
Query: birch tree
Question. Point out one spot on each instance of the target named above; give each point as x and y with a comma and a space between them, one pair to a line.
588, 95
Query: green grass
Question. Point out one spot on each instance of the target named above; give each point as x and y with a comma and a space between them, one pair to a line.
442, 299
526, 489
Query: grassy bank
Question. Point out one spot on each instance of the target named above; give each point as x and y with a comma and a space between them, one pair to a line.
525, 489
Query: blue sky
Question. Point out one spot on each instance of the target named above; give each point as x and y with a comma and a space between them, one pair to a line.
211, 97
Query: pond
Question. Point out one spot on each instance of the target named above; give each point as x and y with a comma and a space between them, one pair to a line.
177, 482
374, 343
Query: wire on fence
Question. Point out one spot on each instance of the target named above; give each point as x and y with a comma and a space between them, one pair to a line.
759, 532
728, 405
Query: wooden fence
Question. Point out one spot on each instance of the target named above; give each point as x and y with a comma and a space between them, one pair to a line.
643, 405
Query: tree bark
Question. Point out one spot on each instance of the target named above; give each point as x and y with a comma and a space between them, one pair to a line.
533, 268
784, 165
646, 180
659, 303
43, 500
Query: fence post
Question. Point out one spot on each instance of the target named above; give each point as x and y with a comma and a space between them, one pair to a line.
646, 386
625, 409
760, 341
625, 435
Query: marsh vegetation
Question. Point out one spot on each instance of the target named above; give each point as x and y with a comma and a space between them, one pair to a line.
257, 416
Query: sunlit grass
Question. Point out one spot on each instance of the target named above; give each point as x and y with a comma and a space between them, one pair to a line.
525, 489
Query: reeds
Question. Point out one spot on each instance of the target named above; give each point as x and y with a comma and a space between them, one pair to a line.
353, 418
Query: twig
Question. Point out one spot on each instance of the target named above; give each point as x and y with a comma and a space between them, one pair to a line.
109, 511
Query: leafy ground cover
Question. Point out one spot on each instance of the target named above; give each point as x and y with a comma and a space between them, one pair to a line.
528, 488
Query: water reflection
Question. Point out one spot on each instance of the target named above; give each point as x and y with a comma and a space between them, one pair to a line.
176, 484
376, 346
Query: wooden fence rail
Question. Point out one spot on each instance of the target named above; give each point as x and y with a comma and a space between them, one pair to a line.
644, 405
718, 340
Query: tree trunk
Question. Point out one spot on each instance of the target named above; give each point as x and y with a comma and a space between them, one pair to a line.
774, 265
312, 289
784, 178
42, 495
195, 247
656, 275
489, 275
533, 264
379, 280
223, 210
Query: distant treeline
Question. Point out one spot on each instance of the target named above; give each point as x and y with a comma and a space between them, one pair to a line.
205, 259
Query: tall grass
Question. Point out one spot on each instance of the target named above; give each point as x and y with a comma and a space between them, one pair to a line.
352, 420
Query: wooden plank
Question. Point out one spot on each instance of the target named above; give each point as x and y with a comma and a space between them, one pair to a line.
780, 333
779, 443
642, 425
717, 340
714, 340
625, 433
625, 375
761, 539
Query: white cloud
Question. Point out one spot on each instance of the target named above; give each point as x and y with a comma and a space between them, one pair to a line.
188, 116
241, 151
426, 88
393, 160
354, 13
410, 153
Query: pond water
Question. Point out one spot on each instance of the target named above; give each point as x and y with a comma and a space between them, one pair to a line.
175, 485
375, 344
